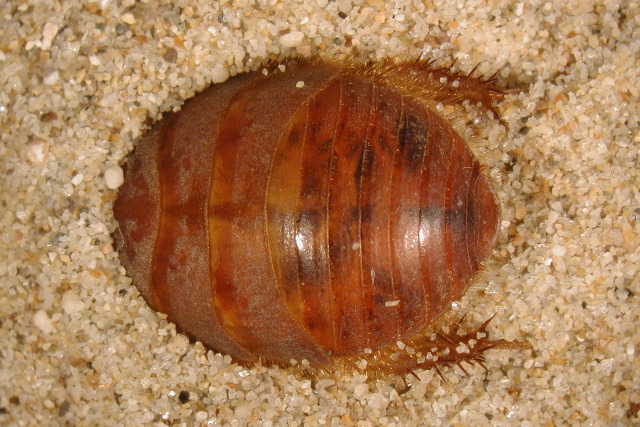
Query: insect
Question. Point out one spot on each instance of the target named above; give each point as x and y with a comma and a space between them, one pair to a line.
329, 213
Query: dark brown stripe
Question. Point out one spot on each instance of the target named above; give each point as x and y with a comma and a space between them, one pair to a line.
344, 244
432, 216
412, 141
161, 259
282, 207
362, 174
457, 211
377, 277
312, 224
332, 171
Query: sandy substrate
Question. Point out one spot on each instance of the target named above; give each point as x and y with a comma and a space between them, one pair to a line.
80, 81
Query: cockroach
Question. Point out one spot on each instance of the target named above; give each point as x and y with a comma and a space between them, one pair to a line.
328, 213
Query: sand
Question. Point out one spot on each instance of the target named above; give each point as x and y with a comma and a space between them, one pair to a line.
81, 81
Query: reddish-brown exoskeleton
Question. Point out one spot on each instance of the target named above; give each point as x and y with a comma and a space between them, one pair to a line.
323, 213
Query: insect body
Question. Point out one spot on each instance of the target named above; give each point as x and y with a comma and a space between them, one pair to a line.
322, 213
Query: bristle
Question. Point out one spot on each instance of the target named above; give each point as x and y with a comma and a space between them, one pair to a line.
473, 70
421, 80
442, 351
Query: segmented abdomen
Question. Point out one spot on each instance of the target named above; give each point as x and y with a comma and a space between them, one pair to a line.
285, 221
